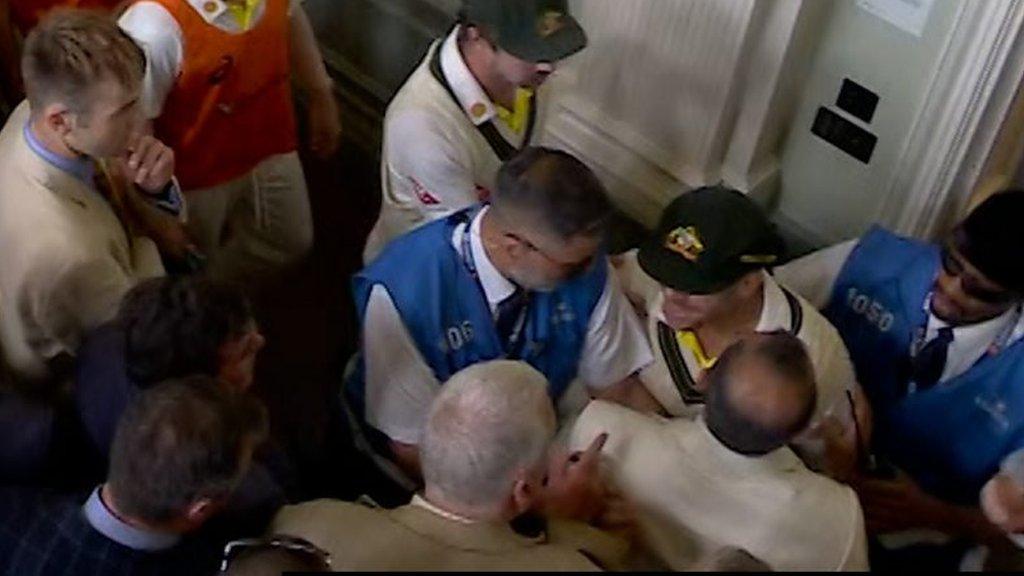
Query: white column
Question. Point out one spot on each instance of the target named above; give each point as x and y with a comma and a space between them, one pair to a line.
667, 89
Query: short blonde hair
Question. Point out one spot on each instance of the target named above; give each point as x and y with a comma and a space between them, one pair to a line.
71, 50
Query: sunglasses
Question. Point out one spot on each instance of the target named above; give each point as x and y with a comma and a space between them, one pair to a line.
953, 266
289, 543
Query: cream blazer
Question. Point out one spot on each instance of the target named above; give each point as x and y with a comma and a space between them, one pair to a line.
65, 258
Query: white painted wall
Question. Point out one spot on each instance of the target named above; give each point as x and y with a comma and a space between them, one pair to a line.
675, 94
825, 193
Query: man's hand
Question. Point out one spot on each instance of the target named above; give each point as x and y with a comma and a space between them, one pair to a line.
620, 517
574, 488
631, 393
324, 124
895, 505
900, 504
1002, 500
168, 233
839, 443
150, 164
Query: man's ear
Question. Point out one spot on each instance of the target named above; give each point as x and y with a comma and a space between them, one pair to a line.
58, 118
751, 283
513, 245
525, 493
199, 511
472, 32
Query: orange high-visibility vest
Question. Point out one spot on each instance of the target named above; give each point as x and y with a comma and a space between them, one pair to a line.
231, 107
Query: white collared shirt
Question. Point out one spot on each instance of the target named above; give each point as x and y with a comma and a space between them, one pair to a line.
476, 105
421, 502
832, 366
496, 287
104, 521
815, 275
400, 386
694, 495
434, 161
160, 36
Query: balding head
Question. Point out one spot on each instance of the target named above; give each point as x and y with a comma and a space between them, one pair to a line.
761, 393
489, 423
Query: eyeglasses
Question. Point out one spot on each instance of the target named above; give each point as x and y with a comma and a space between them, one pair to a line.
289, 543
573, 268
953, 266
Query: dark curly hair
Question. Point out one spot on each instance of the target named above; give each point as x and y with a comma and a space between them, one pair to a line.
175, 326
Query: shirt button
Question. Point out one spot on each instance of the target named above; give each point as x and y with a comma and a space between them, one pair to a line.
477, 110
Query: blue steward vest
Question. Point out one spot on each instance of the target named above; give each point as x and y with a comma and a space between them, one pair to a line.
444, 309
949, 438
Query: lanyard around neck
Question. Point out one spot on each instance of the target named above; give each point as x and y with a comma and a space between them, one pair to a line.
469, 261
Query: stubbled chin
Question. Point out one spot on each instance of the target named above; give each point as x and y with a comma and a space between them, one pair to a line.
681, 322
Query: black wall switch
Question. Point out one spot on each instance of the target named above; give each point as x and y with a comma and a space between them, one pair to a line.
857, 100
845, 135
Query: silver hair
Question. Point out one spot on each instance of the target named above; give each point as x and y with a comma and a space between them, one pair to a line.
489, 421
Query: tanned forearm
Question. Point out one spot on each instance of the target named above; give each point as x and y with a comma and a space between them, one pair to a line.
307, 63
632, 393
964, 521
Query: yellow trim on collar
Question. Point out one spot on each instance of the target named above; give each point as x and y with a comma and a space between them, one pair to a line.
516, 119
688, 339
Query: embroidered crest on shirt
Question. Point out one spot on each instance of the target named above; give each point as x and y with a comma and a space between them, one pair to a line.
423, 194
685, 242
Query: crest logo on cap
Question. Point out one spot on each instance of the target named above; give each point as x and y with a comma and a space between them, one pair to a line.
550, 22
685, 242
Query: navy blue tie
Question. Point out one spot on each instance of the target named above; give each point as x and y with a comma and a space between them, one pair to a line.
509, 311
930, 362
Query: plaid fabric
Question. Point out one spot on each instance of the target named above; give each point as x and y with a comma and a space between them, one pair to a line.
43, 534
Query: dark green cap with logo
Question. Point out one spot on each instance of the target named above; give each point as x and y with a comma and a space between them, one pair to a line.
708, 239
531, 30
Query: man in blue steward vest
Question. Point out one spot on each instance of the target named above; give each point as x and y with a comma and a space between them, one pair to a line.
522, 278
934, 332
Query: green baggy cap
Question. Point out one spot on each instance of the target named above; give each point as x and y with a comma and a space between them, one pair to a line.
531, 30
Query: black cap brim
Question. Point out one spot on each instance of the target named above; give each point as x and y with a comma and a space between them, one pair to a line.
672, 270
